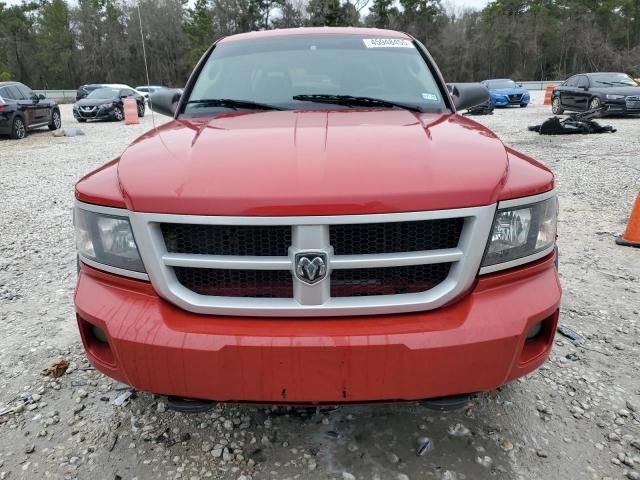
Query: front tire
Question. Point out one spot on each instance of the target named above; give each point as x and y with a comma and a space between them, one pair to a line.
594, 103
81, 120
18, 128
523, 105
118, 114
556, 107
141, 110
56, 121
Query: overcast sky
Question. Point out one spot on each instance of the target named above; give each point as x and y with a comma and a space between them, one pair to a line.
449, 4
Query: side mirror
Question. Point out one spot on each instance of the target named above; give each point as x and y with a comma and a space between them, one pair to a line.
41, 97
586, 89
468, 95
165, 101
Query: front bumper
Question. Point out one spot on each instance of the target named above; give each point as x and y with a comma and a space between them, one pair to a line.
475, 344
621, 108
99, 114
505, 101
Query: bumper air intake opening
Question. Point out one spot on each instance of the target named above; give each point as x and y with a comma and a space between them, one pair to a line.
539, 338
96, 342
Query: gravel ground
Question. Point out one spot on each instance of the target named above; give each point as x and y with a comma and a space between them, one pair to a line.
578, 417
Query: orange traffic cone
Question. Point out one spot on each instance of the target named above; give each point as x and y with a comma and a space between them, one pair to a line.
131, 111
631, 236
547, 94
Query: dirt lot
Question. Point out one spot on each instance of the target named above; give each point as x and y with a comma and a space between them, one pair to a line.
576, 418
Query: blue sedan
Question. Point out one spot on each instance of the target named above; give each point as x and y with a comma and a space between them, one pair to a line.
505, 92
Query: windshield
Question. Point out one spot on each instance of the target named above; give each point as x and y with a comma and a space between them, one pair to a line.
272, 71
612, 80
500, 84
104, 93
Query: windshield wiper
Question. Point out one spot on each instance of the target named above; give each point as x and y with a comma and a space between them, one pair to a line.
234, 104
352, 101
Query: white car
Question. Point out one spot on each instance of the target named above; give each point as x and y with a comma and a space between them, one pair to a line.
121, 85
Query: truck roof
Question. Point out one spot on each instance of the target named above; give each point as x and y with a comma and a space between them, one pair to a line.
374, 32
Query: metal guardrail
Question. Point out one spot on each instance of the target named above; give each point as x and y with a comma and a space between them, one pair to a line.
70, 95
58, 95
539, 85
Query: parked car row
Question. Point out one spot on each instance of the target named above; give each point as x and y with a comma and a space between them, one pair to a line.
22, 110
85, 90
616, 93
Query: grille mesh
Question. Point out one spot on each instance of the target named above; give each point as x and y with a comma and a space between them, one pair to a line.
227, 239
393, 237
363, 282
237, 283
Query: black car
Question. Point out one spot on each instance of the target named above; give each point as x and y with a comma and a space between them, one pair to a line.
85, 90
22, 110
617, 92
106, 104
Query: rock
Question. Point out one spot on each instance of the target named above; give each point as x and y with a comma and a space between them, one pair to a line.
30, 448
82, 393
449, 475
161, 407
458, 430
542, 453
506, 445
352, 447
216, 452
312, 465
348, 476
402, 476
485, 461
392, 457
123, 398
632, 405
632, 475
228, 425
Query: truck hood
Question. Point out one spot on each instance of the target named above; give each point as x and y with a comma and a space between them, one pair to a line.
313, 163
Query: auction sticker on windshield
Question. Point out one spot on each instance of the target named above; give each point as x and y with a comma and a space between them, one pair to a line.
387, 43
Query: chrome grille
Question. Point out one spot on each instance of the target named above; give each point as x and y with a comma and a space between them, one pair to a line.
633, 102
236, 283
375, 264
227, 239
365, 282
391, 237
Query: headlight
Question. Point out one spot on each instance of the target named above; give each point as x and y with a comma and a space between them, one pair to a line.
614, 97
106, 239
521, 233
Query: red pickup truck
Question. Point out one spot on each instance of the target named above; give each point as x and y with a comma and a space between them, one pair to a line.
317, 225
